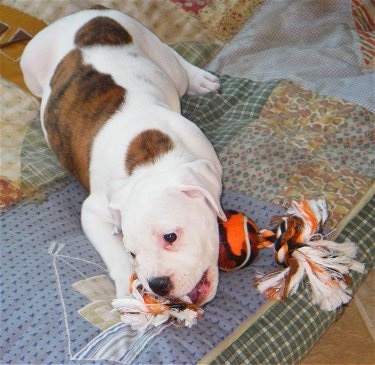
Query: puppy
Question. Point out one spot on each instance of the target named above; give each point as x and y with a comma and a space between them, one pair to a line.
110, 111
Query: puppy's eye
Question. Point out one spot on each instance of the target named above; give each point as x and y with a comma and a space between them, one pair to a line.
132, 254
170, 237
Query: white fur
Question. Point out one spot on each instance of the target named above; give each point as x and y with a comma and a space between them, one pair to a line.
179, 193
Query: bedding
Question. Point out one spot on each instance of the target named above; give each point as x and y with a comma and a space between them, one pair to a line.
286, 125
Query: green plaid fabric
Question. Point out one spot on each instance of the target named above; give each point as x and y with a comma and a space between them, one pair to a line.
39, 166
289, 329
222, 116
196, 53
361, 229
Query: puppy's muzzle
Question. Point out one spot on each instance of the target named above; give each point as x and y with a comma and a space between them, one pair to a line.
160, 285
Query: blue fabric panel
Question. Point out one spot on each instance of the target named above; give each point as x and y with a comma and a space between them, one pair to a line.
37, 327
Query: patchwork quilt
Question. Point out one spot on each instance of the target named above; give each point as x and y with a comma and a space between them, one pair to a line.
295, 119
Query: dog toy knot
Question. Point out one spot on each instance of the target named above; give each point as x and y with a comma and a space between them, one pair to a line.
240, 240
300, 246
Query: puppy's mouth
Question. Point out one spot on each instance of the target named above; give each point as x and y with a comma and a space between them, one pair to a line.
201, 290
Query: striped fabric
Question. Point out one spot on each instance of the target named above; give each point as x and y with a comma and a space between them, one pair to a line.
115, 342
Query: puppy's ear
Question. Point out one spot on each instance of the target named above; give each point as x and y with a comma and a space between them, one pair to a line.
203, 178
195, 191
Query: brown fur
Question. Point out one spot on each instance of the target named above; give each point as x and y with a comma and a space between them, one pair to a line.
102, 31
99, 7
146, 148
81, 101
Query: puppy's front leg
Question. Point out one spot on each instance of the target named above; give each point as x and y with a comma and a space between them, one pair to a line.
100, 231
200, 81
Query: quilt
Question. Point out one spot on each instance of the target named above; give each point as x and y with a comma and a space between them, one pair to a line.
295, 119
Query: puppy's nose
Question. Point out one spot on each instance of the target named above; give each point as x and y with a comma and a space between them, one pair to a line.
160, 285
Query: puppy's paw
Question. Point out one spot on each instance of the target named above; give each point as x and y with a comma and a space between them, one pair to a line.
202, 82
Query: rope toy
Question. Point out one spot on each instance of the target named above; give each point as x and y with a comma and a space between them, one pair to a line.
299, 246
142, 308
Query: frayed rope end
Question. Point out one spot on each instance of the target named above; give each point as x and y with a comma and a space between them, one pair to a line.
325, 264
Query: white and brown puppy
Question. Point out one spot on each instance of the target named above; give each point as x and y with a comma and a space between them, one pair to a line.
110, 111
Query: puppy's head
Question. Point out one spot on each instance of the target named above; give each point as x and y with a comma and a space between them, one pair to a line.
169, 225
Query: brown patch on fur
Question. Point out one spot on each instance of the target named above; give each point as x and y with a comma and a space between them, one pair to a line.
81, 101
146, 148
102, 30
98, 7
